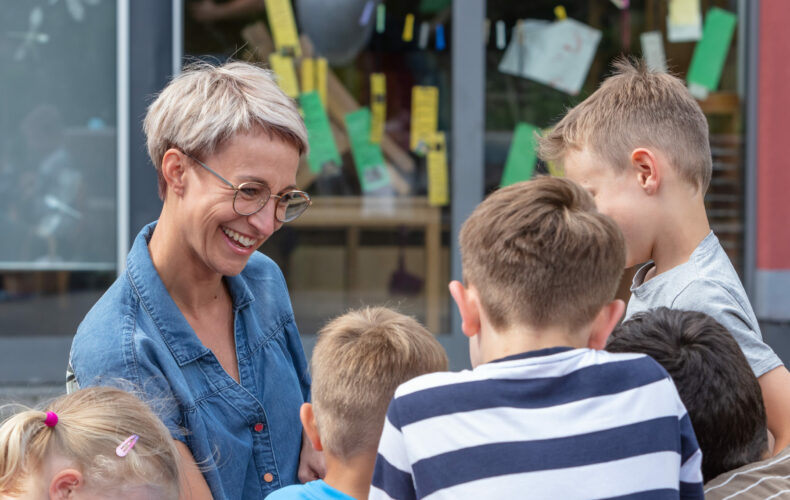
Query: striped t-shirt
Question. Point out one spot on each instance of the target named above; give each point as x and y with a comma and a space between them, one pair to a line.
555, 423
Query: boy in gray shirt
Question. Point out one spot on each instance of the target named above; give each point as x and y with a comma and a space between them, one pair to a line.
640, 145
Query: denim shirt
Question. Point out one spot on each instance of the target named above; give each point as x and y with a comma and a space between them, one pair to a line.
245, 436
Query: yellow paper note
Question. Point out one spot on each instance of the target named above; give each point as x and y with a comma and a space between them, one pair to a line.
438, 190
684, 12
286, 75
424, 116
283, 26
378, 105
308, 75
408, 28
320, 78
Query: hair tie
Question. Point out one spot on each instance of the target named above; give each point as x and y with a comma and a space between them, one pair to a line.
51, 420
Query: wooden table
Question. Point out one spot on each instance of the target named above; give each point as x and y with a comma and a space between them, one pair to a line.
355, 213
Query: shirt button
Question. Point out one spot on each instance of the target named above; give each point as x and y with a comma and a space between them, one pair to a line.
268, 477
258, 427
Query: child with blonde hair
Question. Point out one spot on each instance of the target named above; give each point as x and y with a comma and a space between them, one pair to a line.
100, 442
359, 360
640, 146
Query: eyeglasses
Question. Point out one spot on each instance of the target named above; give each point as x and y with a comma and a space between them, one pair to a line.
250, 197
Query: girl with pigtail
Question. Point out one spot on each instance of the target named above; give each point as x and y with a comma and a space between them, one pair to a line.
95, 443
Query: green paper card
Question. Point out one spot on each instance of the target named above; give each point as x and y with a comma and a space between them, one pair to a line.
319, 134
711, 51
371, 169
520, 164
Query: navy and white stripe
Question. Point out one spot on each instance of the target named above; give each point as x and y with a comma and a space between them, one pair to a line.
556, 423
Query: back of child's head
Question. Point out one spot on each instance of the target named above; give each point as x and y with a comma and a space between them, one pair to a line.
637, 107
714, 380
540, 254
359, 360
86, 428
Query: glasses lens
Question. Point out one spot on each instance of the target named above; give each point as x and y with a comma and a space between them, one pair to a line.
292, 205
250, 197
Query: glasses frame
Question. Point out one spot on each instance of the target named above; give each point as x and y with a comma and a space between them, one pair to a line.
238, 188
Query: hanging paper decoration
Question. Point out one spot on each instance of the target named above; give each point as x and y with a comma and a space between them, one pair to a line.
283, 26
320, 77
408, 28
424, 116
283, 66
381, 17
438, 189
711, 52
308, 74
521, 158
684, 23
364, 18
319, 134
653, 50
425, 32
378, 105
440, 44
368, 158
501, 41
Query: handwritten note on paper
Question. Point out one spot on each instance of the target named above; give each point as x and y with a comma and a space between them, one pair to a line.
684, 23
286, 75
711, 52
557, 54
371, 169
322, 143
283, 26
653, 50
424, 115
438, 189
521, 158
378, 105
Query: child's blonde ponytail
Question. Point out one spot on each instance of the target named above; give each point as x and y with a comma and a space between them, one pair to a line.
87, 428
23, 441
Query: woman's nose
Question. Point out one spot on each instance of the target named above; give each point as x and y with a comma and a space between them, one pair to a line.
263, 220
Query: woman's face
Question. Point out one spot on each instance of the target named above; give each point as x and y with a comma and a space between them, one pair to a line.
217, 238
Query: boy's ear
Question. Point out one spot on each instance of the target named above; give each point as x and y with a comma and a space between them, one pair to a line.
604, 323
468, 306
307, 417
648, 170
65, 484
173, 169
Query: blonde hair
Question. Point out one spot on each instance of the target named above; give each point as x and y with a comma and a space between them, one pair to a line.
359, 360
91, 424
540, 254
637, 107
207, 105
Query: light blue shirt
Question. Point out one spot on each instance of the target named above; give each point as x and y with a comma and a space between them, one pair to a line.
314, 490
245, 436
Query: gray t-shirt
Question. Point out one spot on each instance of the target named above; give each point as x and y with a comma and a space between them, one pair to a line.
707, 283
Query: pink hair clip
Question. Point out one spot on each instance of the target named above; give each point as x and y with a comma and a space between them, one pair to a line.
124, 448
51, 420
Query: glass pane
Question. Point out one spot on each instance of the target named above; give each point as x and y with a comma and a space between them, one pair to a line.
512, 99
57, 162
373, 234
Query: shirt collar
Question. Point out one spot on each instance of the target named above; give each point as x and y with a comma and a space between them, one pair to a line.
534, 354
171, 323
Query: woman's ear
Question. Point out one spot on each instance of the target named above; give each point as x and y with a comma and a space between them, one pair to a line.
468, 307
648, 170
174, 168
307, 417
65, 484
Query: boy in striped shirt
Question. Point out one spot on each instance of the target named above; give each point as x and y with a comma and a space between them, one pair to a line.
545, 413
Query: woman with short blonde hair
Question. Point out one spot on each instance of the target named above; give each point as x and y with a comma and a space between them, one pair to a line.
200, 315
